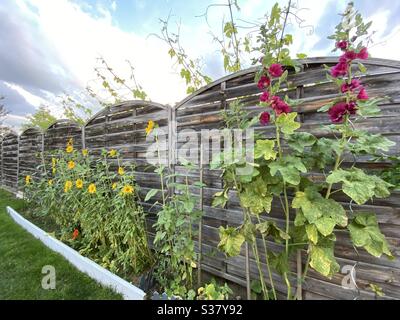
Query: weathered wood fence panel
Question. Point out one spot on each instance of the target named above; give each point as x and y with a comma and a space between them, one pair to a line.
10, 161
122, 127
30, 152
59, 133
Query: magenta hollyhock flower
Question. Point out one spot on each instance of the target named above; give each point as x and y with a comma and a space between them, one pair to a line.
264, 96
355, 83
339, 70
264, 118
275, 70
279, 106
263, 82
342, 44
350, 55
351, 108
362, 95
339, 110
363, 54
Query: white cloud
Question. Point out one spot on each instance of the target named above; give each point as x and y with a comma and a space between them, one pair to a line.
30, 98
114, 5
79, 38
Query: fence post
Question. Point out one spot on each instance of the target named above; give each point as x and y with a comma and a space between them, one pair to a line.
17, 186
172, 137
83, 137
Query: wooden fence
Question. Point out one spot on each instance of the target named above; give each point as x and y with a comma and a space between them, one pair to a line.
122, 126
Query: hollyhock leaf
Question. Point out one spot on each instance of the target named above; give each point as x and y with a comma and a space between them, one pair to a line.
265, 148
325, 225
369, 107
269, 228
220, 199
312, 233
280, 262
322, 258
371, 143
314, 206
287, 123
248, 230
365, 232
290, 168
231, 241
299, 140
310, 210
358, 185
362, 68
256, 197
299, 220
325, 108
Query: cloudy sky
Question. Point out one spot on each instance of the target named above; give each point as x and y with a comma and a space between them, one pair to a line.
48, 47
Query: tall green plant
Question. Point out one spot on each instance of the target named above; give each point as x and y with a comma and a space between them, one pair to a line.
174, 239
282, 172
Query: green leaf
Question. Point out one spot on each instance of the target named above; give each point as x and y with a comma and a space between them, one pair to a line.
256, 196
265, 148
279, 262
220, 199
325, 225
369, 107
299, 140
256, 286
289, 167
312, 233
322, 258
269, 228
286, 122
358, 185
314, 206
151, 194
371, 143
361, 67
325, 107
365, 232
231, 241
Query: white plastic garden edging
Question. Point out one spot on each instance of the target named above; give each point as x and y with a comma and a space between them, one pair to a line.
92, 269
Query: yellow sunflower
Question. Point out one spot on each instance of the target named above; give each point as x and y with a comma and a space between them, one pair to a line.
114, 186
85, 152
121, 171
67, 186
127, 189
50, 182
53, 162
112, 153
54, 171
28, 180
71, 164
69, 148
92, 188
79, 184
150, 127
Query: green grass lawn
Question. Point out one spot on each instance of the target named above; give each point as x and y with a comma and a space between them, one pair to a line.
22, 258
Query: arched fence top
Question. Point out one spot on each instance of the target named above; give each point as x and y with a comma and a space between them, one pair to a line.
125, 106
10, 135
308, 62
62, 122
31, 131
